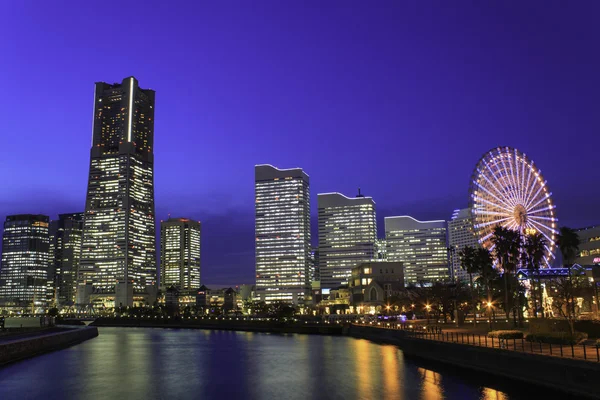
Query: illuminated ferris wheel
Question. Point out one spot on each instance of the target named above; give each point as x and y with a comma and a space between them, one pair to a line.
507, 189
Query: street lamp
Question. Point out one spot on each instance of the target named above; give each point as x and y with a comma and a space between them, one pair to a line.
489, 307
427, 307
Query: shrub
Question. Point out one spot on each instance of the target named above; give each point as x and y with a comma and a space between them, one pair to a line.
557, 337
506, 334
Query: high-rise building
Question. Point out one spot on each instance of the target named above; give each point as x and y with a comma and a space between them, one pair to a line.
118, 254
282, 234
25, 260
420, 246
65, 244
460, 234
347, 235
180, 253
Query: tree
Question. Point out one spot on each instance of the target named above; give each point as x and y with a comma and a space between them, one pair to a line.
485, 264
568, 243
467, 262
53, 312
566, 289
533, 256
507, 248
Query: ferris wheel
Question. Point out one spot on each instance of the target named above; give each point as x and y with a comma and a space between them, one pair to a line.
507, 189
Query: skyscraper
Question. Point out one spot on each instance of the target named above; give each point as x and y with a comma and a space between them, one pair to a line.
25, 260
118, 254
420, 246
180, 253
460, 234
347, 236
65, 242
282, 234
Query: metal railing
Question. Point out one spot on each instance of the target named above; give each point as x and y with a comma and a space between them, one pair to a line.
435, 333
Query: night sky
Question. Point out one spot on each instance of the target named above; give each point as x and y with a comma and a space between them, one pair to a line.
400, 98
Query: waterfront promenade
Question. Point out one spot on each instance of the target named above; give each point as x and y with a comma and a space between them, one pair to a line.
28, 344
583, 352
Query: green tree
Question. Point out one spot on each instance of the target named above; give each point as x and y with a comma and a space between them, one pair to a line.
507, 249
568, 243
533, 257
468, 263
566, 290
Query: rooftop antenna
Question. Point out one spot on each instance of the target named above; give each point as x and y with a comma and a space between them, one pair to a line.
359, 194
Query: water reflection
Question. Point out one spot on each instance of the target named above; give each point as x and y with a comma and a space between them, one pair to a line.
139, 363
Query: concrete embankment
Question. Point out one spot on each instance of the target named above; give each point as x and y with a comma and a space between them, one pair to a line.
228, 325
14, 350
572, 376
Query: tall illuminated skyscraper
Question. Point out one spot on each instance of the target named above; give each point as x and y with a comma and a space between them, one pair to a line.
347, 235
25, 261
460, 234
420, 246
282, 234
65, 243
180, 253
118, 254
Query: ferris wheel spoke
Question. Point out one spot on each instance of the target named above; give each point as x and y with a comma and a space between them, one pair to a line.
495, 197
523, 187
494, 205
544, 198
529, 184
515, 181
509, 178
500, 188
488, 223
518, 178
534, 198
542, 229
539, 210
536, 217
492, 213
496, 186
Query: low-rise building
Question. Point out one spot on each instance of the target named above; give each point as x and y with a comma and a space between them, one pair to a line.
589, 246
374, 283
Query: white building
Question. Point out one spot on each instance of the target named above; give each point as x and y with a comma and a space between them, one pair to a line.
460, 234
347, 235
283, 249
420, 246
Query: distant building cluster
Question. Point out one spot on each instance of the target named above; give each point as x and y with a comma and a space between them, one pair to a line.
106, 256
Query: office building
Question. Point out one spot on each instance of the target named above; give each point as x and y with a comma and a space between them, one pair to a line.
589, 247
118, 254
347, 236
282, 229
25, 261
180, 253
65, 244
420, 246
460, 235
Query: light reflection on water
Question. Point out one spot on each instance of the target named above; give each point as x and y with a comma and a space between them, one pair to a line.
142, 363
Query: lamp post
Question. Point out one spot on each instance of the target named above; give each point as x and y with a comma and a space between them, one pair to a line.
427, 307
489, 307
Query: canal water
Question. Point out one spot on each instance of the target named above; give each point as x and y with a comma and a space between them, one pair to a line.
145, 363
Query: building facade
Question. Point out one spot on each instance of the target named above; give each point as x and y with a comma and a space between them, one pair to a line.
420, 246
118, 254
180, 253
282, 227
25, 261
374, 283
65, 242
589, 247
460, 235
347, 236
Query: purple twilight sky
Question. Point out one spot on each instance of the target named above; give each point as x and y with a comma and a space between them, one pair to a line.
400, 98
